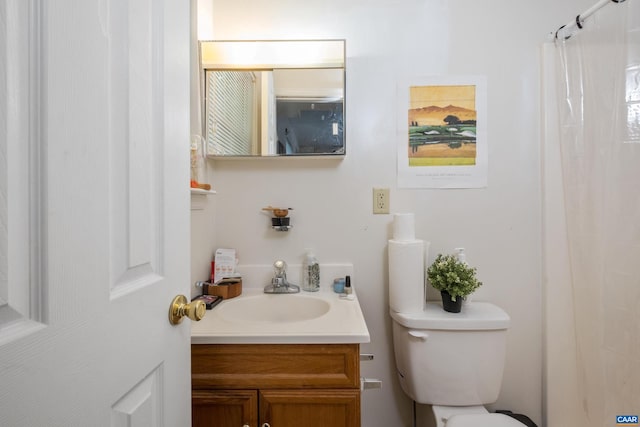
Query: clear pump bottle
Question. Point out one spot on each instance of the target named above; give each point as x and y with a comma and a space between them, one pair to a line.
310, 273
460, 255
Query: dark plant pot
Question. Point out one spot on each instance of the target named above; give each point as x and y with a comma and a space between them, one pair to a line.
451, 306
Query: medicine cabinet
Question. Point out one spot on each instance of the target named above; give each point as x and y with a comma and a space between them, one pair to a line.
273, 98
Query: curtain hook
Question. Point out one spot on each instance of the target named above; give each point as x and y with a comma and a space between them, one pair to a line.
578, 23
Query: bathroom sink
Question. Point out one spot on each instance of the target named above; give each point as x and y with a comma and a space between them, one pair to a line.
273, 308
254, 317
258, 318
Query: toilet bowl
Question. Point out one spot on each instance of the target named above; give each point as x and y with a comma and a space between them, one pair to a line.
470, 416
453, 361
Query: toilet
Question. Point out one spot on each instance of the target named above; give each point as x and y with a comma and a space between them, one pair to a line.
453, 361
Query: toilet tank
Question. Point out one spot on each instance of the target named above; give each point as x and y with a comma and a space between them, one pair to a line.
453, 359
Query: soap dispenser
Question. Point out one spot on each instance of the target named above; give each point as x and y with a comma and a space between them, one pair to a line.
460, 255
310, 273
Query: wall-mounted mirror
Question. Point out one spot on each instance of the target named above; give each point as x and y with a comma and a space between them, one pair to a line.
273, 98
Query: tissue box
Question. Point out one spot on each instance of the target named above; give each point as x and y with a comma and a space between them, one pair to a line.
226, 288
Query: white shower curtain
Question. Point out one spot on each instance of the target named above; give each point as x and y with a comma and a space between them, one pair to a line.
599, 114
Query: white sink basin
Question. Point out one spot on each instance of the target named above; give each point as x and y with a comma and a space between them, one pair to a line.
304, 318
273, 308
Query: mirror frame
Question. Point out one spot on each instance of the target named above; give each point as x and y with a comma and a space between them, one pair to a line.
268, 55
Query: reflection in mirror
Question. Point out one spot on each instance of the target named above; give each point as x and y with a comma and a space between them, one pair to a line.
279, 109
309, 127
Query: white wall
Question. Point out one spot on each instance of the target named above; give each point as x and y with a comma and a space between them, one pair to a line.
500, 226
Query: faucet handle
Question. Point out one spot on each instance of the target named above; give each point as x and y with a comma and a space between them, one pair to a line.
280, 267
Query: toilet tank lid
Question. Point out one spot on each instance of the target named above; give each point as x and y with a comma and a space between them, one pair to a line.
474, 316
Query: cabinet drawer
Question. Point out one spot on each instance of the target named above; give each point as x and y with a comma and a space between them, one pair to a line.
241, 366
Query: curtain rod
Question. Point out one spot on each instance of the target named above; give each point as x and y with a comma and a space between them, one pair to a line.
577, 23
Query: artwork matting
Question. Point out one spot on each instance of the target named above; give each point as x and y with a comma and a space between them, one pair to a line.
442, 132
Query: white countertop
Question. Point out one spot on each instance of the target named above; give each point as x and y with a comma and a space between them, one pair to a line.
342, 323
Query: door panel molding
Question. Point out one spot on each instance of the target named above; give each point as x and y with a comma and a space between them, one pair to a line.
134, 77
142, 405
22, 168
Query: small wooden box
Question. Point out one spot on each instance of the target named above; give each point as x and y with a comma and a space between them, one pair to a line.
227, 288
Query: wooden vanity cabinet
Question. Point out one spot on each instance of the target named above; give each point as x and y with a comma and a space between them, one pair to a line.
276, 385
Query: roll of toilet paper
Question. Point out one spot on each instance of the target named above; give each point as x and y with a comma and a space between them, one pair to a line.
406, 275
404, 227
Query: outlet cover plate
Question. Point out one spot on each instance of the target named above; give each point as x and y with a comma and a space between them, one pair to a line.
380, 200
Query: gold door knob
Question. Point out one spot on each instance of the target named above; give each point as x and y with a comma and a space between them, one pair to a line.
180, 307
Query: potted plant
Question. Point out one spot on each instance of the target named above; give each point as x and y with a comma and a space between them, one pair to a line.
454, 279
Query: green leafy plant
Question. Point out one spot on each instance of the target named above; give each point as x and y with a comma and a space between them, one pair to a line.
449, 274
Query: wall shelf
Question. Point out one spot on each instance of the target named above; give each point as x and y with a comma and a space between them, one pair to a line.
203, 192
199, 198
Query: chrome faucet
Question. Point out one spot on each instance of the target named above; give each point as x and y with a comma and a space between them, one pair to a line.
279, 283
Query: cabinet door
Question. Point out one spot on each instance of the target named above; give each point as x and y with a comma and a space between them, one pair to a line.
224, 408
310, 408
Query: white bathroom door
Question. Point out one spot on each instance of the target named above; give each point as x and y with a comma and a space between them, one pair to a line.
94, 212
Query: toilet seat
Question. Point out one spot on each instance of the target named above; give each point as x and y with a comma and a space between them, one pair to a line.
482, 420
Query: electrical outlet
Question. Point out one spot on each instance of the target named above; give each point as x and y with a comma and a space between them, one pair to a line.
380, 200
